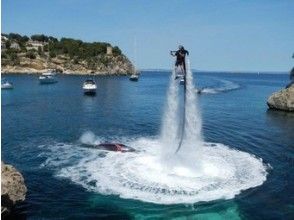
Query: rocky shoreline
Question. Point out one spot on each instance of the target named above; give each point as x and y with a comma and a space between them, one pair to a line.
282, 100
20, 71
13, 189
118, 65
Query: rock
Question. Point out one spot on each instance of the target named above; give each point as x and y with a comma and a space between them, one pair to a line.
13, 189
111, 65
282, 100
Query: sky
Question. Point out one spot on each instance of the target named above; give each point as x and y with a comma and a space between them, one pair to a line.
221, 35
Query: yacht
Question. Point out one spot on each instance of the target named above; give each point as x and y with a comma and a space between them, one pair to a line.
48, 77
89, 87
6, 85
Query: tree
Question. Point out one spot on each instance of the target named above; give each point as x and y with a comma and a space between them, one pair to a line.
116, 51
40, 51
30, 54
4, 55
14, 36
52, 54
13, 57
39, 37
52, 39
45, 48
25, 38
7, 44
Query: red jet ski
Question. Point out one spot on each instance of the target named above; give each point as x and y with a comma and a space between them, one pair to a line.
112, 147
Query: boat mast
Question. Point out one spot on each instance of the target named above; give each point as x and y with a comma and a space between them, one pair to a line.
135, 55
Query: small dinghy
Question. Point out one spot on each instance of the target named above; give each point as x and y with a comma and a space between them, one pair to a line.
6, 85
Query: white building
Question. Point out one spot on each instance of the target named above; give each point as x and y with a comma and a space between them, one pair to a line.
3, 42
35, 45
15, 45
109, 50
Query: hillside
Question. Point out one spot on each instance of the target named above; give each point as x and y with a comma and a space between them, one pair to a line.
35, 54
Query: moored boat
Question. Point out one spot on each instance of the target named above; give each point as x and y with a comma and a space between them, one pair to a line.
6, 85
48, 77
89, 87
134, 77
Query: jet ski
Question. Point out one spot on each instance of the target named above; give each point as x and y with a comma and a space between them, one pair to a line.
118, 147
199, 91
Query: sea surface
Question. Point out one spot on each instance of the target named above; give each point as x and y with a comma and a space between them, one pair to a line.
43, 127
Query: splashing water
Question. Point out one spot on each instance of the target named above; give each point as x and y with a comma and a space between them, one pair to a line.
198, 172
170, 125
225, 86
192, 132
189, 148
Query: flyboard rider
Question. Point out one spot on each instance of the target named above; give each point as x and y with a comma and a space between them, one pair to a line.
180, 55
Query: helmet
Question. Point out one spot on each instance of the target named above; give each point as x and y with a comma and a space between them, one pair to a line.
181, 47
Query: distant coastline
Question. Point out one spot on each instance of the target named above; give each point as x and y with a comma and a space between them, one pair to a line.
39, 53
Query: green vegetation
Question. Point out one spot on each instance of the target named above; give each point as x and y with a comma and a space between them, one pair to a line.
76, 50
11, 56
31, 54
79, 50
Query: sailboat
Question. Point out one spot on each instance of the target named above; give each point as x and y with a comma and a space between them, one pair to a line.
136, 72
49, 76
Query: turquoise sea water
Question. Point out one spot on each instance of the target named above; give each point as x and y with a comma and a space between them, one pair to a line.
42, 126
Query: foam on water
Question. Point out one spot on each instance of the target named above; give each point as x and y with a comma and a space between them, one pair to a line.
225, 86
155, 173
223, 172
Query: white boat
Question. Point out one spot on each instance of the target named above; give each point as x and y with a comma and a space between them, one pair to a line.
89, 87
134, 77
48, 77
6, 85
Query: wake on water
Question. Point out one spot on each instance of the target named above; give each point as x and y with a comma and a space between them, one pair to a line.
225, 86
198, 172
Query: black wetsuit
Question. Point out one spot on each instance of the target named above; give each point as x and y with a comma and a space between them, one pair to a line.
181, 54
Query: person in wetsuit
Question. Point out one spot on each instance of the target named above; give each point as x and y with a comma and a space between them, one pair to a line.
180, 55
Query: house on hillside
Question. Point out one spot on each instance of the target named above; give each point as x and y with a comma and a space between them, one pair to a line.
35, 45
3, 42
3, 38
15, 46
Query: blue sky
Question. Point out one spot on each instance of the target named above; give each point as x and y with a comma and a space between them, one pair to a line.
235, 35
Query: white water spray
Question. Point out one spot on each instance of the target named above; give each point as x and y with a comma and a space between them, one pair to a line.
192, 132
186, 177
170, 125
192, 138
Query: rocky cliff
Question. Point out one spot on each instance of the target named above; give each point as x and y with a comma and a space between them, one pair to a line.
13, 189
115, 65
282, 100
